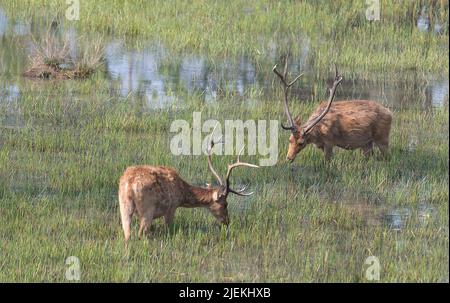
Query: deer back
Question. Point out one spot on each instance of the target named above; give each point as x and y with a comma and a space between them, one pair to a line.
350, 123
154, 186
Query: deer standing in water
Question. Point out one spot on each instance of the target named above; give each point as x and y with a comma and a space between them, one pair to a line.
346, 124
151, 192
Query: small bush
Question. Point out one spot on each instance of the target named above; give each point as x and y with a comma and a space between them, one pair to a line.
52, 58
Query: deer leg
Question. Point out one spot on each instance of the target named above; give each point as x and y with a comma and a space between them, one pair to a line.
146, 222
367, 150
141, 228
383, 145
328, 150
168, 217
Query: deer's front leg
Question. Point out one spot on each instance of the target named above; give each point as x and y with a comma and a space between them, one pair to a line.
168, 217
328, 150
367, 150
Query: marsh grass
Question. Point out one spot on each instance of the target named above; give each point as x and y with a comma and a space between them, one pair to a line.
60, 58
334, 31
307, 222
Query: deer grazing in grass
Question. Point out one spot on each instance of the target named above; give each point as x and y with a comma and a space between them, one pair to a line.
151, 192
346, 124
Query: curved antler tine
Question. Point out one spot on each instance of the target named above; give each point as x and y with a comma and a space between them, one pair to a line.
239, 193
237, 164
212, 134
335, 71
316, 120
286, 127
212, 143
295, 80
286, 87
240, 153
209, 152
274, 69
243, 189
286, 59
234, 165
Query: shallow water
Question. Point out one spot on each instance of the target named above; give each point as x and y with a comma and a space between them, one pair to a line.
161, 78
423, 23
139, 72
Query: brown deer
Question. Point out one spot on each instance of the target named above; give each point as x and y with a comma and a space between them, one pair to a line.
346, 124
151, 192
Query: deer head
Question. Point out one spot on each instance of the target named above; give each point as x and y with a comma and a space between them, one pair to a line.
299, 137
219, 205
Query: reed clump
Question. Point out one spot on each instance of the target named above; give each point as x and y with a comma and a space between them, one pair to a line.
57, 58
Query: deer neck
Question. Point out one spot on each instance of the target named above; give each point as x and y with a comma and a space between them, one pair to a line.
198, 196
314, 136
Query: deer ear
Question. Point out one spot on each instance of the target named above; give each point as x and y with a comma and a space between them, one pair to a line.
298, 120
215, 196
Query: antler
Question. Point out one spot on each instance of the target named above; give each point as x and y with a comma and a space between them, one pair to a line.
230, 169
209, 150
286, 87
337, 80
240, 192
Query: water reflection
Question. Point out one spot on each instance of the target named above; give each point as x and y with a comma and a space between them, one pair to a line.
10, 115
142, 72
371, 209
192, 73
21, 29
8, 94
426, 213
150, 72
396, 219
399, 94
137, 71
439, 91
423, 23
3, 22
163, 79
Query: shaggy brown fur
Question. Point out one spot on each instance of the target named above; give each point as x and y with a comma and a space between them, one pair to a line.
348, 124
152, 192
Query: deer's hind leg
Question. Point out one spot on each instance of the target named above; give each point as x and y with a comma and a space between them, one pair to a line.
146, 222
381, 137
383, 145
169, 216
367, 150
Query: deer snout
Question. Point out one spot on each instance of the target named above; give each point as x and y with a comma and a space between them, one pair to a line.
220, 213
225, 221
